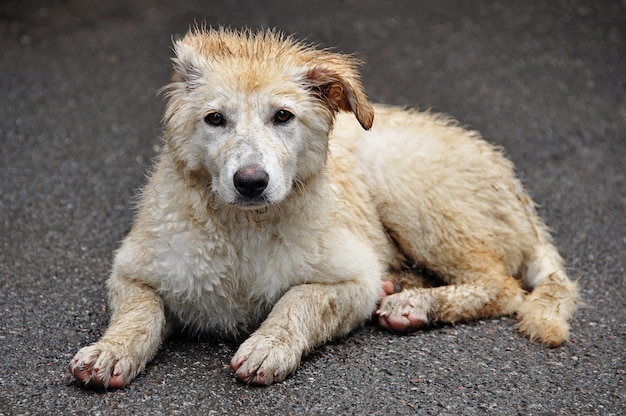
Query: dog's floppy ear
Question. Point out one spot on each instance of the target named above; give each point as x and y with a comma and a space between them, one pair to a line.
336, 82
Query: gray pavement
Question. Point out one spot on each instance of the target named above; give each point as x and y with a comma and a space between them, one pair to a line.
80, 121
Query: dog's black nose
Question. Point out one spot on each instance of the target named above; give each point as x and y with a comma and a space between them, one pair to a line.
251, 181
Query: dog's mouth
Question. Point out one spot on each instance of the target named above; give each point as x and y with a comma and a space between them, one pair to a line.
252, 204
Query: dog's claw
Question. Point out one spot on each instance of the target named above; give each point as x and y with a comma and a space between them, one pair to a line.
236, 362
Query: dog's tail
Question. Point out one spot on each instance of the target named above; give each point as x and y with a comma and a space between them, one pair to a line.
545, 313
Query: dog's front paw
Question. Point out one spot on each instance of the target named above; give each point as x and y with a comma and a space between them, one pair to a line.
265, 360
405, 312
101, 366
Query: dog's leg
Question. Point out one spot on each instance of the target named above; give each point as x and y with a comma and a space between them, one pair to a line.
546, 311
132, 338
412, 309
480, 288
306, 316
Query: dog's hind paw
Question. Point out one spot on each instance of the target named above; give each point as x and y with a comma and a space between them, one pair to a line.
404, 312
265, 360
100, 366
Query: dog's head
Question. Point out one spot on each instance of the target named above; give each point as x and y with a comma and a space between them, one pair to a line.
252, 111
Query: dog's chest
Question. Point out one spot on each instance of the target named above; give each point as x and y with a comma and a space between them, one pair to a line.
221, 278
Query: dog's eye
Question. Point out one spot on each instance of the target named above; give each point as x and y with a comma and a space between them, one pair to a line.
215, 119
282, 116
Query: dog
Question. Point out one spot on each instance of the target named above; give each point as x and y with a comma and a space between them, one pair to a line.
278, 210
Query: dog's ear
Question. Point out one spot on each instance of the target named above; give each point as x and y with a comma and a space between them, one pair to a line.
185, 77
336, 83
186, 64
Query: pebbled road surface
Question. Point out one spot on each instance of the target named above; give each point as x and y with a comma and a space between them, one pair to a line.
80, 121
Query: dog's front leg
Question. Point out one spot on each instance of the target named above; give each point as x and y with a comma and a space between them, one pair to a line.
134, 334
306, 316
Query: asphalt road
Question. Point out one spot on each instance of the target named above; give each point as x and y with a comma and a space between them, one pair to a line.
80, 120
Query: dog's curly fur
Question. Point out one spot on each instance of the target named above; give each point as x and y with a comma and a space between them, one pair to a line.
277, 202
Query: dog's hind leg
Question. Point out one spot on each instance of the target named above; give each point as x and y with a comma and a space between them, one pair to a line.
134, 334
480, 286
480, 292
545, 313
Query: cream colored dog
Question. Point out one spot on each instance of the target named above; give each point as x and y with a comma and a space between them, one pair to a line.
270, 205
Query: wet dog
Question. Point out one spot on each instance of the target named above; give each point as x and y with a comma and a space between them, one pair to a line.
279, 209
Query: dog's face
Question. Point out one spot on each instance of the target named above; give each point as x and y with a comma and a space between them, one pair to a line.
253, 111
